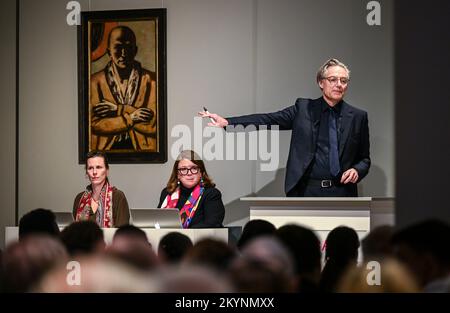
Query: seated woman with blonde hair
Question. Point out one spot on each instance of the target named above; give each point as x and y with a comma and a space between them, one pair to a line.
193, 193
100, 202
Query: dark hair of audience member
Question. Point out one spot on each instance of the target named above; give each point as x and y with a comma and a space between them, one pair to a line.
38, 221
376, 245
304, 246
84, 237
173, 247
253, 229
341, 252
424, 248
212, 253
131, 231
342, 245
26, 261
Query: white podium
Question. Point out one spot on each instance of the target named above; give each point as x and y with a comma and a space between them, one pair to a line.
323, 214
153, 235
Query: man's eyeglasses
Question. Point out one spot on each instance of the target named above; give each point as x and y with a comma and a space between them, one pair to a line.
185, 170
334, 80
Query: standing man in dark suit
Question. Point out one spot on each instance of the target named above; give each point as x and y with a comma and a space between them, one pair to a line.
329, 150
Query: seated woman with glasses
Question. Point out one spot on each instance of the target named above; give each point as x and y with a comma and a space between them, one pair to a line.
100, 202
193, 193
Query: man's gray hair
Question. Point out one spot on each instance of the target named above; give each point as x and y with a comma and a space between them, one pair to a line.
327, 64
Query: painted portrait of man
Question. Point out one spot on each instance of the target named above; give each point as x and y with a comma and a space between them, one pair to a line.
123, 92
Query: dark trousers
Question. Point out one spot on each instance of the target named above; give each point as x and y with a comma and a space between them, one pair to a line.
303, 189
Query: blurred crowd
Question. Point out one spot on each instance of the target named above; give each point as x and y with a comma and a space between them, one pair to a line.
288, 259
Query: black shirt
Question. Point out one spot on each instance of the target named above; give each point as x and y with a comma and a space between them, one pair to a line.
320, 168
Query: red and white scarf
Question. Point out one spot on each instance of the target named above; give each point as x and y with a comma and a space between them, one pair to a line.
103, 216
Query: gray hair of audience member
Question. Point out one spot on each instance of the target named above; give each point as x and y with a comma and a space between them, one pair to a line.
393, 278
376, 245
190, 278
270, 251
265, 265
134, 251
329, 63
25, 262
97, 274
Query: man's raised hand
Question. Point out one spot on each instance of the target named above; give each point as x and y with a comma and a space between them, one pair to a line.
216, 120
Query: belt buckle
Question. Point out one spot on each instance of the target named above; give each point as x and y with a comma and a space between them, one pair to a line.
326, 183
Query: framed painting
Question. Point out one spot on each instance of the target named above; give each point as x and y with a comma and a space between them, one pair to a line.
122, 85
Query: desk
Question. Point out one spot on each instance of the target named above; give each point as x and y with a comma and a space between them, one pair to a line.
153, 235
324, 214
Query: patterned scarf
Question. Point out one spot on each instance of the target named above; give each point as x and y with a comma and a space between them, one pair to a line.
112, 77
103, 216
188, 210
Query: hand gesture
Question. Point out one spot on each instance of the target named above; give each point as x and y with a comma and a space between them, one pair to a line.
216, 120
350, 176
105, 109
142, 115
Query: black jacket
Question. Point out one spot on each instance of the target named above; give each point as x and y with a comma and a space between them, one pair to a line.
210, 211
303, 119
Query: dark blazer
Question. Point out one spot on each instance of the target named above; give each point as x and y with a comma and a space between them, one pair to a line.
303, 119
210, 211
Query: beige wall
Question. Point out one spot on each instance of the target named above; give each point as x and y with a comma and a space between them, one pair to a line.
233, 56
293, 38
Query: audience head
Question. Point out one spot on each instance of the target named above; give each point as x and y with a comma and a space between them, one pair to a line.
26, 261
254, 229
341, 253
130, 231
393, 278
190, 278
376, 245
342, 245
97, 274
212, 253
188, 170
304, 246
134, 251
38, 221
264, 266
173, 247
423, 247
83, 237
270, 251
